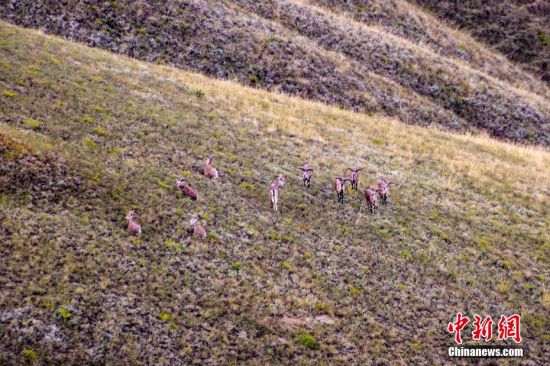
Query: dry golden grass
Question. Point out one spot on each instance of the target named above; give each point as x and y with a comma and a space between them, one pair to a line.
541, 93
482, 60
524, 165
410, 67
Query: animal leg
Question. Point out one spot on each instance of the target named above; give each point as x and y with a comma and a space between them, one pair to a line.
274, 200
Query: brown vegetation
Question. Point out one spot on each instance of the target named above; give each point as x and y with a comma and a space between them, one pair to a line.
309, 51
317, 283
520, 30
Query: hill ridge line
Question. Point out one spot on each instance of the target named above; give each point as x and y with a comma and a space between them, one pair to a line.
425, 49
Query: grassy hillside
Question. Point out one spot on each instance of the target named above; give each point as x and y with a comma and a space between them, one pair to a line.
86, 135
304, 49
419, 25
518, 29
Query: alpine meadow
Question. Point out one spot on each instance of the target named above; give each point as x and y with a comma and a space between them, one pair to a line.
172, 201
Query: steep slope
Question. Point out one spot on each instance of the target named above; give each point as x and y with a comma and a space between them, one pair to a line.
318, 283
402, 18
305, 50
519, 29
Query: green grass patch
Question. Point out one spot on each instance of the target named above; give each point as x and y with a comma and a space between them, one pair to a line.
247, 186
9, 94
64, 313
286, 265
307, 340
30, 355
32, 123
100, 131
